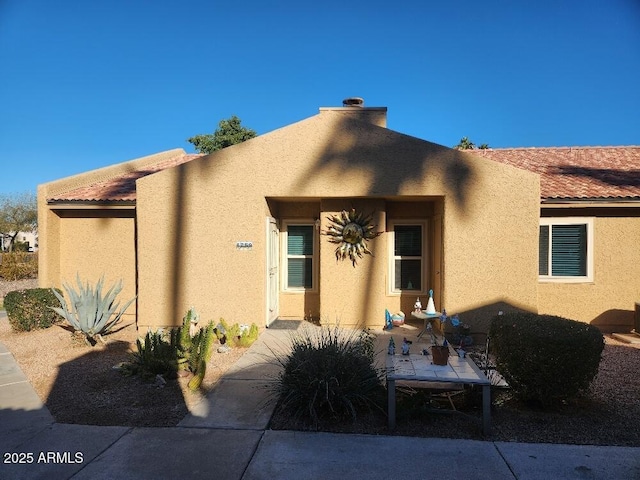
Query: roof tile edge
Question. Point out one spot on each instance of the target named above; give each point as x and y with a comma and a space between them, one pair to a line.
60, 186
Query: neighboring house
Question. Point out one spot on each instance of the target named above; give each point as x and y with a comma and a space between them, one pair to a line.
239, 233
30, 238
589, 257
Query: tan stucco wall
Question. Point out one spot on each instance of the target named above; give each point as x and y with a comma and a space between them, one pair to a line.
49, 242
190, 218
607, 302
86, 237
92, 247
482, 220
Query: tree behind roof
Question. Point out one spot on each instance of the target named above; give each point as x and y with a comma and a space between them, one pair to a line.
229, 132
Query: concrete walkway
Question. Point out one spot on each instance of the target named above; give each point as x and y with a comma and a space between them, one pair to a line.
227, 437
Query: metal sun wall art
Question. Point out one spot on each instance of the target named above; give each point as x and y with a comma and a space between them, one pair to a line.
351, 231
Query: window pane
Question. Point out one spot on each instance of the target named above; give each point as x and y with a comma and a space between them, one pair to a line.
408, 240
299, 272
408, 275
300, 240
569, 250
543, 251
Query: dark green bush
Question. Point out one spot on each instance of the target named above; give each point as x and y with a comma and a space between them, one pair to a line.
165, 352
545, 358
328, 374
30, 309
18, 266
158, 354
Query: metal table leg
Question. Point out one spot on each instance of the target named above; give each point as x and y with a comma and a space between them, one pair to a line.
486, 410
391, 403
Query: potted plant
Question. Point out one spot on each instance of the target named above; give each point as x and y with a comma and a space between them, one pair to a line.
439, 349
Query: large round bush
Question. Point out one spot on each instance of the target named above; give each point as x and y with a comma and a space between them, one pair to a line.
31, 309
545, 358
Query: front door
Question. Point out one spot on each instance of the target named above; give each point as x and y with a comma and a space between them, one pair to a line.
273, 253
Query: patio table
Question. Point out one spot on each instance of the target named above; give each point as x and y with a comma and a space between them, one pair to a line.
423, 315
418, 368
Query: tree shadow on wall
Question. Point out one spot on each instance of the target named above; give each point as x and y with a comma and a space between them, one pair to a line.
392, 160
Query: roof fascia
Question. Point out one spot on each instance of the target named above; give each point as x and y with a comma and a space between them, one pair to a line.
91, 205
592, 202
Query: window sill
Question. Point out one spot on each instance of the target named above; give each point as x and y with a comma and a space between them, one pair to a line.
577, 280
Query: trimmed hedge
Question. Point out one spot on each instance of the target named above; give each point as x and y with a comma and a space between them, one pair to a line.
30, 309
545, 358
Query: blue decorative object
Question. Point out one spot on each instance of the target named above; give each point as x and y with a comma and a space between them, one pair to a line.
392, 347
405, 347
388, 320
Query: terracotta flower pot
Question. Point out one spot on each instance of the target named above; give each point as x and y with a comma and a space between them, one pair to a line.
440, 354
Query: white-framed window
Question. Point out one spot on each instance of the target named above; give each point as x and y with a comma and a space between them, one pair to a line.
407, 256
566, 249
299, 256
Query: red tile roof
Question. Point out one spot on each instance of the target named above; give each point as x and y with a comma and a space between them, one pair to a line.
569, 173
121, 188
577, 173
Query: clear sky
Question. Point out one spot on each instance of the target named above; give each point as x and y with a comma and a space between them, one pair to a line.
89, 83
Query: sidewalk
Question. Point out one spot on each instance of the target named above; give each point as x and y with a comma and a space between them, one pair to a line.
227, 437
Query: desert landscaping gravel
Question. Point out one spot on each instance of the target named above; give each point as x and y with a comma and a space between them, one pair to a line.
79, 385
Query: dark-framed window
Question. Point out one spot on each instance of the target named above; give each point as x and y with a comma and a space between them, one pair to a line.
300, 255
408, 263
565, 249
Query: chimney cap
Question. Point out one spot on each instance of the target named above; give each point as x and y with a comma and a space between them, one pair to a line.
353, 102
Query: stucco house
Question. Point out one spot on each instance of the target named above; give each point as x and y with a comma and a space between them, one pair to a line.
241, 233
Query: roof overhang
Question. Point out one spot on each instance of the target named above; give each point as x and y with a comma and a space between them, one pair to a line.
91, 205
590, 202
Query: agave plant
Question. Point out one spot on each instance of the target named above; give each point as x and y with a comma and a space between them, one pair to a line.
90, 312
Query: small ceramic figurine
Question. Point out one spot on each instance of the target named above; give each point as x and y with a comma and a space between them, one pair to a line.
431, 307
417, 306
392, 347
405, 347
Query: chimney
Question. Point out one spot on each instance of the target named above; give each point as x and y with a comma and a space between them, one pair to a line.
353, 107
353, 102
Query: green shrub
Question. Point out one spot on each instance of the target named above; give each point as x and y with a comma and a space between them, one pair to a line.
165, 352
157, 355
20, 246
328, 374
18, 266
236, 335
31, 309
90, 312
545, 358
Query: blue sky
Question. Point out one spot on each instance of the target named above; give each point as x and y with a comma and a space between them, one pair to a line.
85, 84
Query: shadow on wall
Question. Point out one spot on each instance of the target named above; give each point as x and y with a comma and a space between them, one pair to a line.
354, 145
374, 150
615, 321
392, 161
479, 318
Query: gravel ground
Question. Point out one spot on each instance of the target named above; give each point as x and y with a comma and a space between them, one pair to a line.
78, 385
